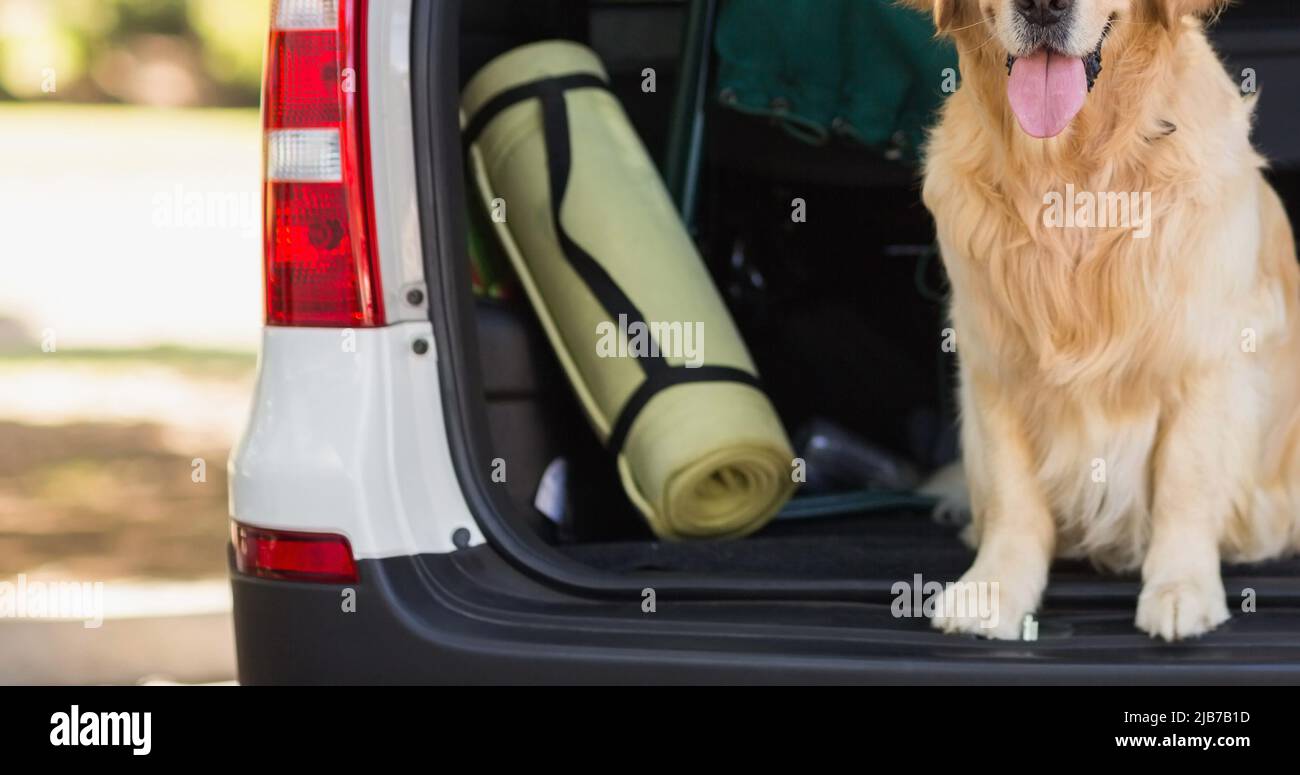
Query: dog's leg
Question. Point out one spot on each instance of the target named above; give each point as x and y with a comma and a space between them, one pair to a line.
1012, 522
1195, 471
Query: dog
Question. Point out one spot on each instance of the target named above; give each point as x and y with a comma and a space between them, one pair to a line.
1129, 393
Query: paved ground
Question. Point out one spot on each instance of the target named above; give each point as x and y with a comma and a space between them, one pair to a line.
99, 486
150, 632
111, 472
125, 229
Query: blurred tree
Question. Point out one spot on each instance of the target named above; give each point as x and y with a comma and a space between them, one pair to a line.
168, 52
35, 45
234, 40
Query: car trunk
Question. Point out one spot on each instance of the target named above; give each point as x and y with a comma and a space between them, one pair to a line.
843, 315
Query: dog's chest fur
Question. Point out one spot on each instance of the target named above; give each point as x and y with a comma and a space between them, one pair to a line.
1091, 337
1092, 333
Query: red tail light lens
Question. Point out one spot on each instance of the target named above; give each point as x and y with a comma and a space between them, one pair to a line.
290, 556
321, 264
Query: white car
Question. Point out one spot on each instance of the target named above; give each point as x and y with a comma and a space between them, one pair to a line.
371, 541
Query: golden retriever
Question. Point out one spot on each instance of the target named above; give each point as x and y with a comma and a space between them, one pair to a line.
1130, 392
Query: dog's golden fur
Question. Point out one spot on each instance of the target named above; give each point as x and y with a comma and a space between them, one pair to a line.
1133, 401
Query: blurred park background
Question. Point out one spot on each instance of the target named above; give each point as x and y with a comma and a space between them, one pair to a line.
129, 317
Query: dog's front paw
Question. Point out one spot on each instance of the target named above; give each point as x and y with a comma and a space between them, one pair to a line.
1183, 608
985, 604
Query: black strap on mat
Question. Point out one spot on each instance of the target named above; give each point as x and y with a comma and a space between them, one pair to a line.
660, 375
660, 379
526, 91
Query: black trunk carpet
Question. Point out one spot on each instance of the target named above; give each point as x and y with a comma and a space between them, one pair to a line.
891, 546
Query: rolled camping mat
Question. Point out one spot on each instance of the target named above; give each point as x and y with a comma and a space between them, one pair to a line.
648, 346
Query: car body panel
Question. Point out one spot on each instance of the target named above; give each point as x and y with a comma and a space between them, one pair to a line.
392, 159
346, 432
346, 436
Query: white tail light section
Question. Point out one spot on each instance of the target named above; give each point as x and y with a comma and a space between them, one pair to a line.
305, 14
303, 155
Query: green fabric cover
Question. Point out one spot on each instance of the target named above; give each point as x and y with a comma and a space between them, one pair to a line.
862, 69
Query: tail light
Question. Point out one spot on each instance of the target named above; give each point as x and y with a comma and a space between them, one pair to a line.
292, 556
321, 264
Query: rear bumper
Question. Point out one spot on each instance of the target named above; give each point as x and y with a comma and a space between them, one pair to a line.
470, 618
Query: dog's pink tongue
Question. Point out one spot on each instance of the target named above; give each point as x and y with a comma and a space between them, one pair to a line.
1046, 92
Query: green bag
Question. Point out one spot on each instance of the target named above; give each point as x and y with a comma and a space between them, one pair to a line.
866, 70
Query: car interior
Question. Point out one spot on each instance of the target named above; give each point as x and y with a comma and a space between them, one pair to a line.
843, 313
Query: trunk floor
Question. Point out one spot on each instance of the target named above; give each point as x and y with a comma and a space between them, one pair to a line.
892, 546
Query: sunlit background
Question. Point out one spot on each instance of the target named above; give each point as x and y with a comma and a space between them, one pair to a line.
129, 314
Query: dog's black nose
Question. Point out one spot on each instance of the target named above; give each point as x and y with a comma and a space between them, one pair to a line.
1043, 12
